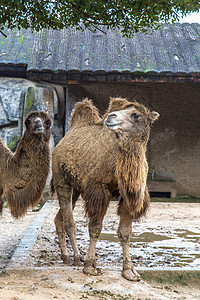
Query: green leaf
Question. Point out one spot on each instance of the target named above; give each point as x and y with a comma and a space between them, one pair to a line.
128, 15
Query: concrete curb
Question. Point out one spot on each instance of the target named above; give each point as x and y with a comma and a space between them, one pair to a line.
184, 277
27, 242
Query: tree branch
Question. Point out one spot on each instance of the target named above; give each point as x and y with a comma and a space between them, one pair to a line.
90, 21
3, 33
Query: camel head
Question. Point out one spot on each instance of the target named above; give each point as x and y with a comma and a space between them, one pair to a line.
131, 118
38, 123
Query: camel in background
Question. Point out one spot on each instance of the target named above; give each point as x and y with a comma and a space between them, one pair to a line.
23, 174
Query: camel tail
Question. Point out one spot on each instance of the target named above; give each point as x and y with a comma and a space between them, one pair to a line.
52, 188
1, 203
96, 200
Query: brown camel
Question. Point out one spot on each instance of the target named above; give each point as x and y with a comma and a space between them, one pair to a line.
23, 174
99, 158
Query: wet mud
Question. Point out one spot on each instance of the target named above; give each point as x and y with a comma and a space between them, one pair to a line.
152, 244
168, 237
152, 248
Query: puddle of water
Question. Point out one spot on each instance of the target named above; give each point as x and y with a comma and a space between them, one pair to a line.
148, 237
178, 248
111, 237
149, 247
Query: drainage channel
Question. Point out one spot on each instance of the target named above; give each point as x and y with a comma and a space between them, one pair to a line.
27, 242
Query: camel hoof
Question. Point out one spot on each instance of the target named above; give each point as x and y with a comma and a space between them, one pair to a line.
131, 275
66, 259
90, 270
78, 261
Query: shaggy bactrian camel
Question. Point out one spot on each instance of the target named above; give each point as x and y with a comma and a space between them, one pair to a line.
99, 158
23, 174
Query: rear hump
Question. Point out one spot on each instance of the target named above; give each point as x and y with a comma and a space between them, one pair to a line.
84, 114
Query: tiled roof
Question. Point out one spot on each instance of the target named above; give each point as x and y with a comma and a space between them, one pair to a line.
173, 49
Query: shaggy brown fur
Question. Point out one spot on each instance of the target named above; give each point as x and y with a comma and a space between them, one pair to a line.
23, 174
97, 163
84, 113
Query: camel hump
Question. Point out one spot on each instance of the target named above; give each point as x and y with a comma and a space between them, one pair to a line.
84, 114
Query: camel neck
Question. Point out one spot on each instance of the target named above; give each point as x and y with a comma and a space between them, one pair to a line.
131, 174
32, 148
132, 145
4, 150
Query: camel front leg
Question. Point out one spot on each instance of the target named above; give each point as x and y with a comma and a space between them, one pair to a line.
64, 194
95, 227
124, 233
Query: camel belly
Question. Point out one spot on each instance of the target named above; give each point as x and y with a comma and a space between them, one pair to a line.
86, 153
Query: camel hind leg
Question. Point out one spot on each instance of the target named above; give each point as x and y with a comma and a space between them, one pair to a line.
65, 223
96, 198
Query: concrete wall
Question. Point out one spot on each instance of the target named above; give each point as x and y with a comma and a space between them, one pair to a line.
175, 139
175, 142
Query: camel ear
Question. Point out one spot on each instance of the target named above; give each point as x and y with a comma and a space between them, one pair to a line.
153, 116
117, 104
27, 123
48, 123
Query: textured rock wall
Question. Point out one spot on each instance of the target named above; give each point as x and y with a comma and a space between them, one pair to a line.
17, 98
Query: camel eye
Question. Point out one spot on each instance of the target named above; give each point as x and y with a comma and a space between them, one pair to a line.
135, 116
27, 123
48, 123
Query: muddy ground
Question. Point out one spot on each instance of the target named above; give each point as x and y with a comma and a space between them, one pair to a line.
169, 236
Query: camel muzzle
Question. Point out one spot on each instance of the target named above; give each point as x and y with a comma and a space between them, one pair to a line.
38, 126
111, 122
